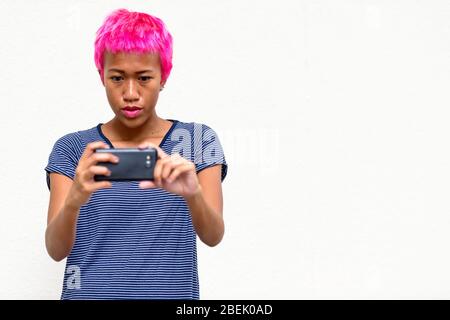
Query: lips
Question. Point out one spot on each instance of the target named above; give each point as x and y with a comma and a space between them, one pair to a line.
131, 108
131, 112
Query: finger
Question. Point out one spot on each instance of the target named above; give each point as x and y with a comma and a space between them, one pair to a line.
147, 184
92, 187
166, 170
88, 174
100, 170
146, 144
161, 153
174, 161
176, 157
178, 171
89, 150
158, 169
102, 157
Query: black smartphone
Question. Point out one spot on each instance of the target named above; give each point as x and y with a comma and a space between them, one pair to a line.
134, 164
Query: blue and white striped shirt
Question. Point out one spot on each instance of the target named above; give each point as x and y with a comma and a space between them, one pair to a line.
134, 243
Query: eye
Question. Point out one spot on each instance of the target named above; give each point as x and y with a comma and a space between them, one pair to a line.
116, 78
145, 78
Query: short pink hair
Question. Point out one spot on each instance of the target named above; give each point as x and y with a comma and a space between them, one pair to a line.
134, 32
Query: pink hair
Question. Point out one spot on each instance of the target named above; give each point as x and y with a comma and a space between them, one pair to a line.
126, 31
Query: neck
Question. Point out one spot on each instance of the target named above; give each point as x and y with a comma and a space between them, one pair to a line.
152, 127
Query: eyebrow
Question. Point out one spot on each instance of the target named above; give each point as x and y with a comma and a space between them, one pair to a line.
121, 71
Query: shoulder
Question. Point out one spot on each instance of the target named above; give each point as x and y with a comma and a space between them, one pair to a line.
205, 145
74, 143
199, 137
194, 138
68, 139
196, 129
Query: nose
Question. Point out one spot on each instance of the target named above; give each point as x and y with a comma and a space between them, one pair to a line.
130, 91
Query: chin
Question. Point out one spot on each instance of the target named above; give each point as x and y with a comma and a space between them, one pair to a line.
132, 123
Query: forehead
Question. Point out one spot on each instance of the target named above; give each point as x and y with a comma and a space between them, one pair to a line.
130, 62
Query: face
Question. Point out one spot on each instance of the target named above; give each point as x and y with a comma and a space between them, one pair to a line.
132, 80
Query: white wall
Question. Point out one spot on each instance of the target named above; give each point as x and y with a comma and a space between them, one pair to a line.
333, 116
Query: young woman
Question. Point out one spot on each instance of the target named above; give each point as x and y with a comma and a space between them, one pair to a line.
134, 239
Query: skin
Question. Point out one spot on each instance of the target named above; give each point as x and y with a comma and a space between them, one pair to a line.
175, 174
127, 82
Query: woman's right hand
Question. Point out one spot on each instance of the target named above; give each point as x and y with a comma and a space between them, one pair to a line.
84, 184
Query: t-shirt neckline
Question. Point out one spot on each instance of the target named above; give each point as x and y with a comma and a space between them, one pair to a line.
100, 132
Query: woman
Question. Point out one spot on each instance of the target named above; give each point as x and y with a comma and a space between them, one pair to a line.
134, 239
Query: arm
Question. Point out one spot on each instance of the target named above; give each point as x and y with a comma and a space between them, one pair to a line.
62, 219
202, 191
67, 196
206, 206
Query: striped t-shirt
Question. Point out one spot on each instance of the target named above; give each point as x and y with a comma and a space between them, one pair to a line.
134, 243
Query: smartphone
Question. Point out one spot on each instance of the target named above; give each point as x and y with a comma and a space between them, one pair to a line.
134, 164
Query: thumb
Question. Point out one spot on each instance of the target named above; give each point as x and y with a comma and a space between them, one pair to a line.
145, 145
147, 184
161, 153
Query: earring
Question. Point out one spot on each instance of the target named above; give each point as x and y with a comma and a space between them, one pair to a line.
161, 89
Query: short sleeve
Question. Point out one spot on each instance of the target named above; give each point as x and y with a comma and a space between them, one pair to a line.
63, 158
208, 150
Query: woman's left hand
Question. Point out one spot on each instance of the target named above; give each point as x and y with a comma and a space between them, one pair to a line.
172, 173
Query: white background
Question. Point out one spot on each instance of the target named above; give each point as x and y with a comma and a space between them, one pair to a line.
333, 116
